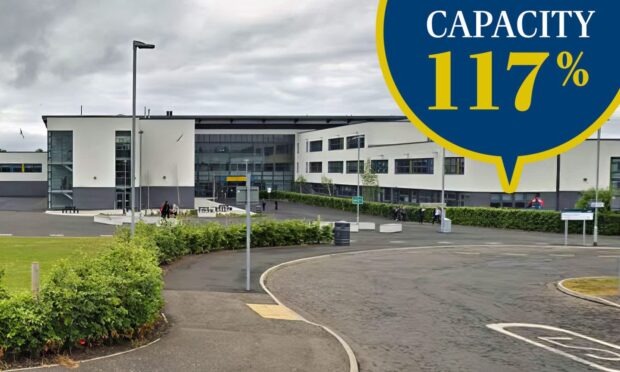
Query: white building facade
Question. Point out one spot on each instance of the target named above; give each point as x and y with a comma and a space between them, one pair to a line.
181, 158
408, 167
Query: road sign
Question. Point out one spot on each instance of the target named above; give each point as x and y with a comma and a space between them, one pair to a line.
358, 200
577, 216
241, 194
597, 205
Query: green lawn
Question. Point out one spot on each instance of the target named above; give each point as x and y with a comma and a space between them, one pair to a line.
600, 287
17, 254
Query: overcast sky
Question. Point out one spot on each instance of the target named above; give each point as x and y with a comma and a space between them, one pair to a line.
212, 57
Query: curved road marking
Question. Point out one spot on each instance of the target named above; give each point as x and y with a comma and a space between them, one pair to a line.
353, 364
501, 328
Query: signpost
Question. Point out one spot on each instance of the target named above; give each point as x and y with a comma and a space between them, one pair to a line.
576, 215
358, 200
597, 205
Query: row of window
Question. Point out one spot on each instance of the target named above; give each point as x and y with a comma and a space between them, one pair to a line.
352, 142
454, 166
235, 167
21, 168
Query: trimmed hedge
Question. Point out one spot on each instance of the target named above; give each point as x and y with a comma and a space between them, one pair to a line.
118, 294
519, 219
174, 241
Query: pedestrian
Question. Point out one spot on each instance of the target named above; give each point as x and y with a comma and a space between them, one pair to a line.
264, 206
421, 215
437, 216
395, 213
175, 210
165, 210
537, 202
276, 205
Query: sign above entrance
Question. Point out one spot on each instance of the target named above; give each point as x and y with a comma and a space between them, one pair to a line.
236, 179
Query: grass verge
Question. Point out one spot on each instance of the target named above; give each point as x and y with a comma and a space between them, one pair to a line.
18, 253
599, 287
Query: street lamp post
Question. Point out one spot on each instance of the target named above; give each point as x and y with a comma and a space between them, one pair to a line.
598, 169
443, 190
357, 219
248, 225
141, 132
136, 45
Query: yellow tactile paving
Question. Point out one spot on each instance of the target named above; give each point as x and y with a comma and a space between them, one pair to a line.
274, 312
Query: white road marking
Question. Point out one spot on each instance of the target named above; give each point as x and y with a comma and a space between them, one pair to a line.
562, 255
514, 254
589, 352
397, 242
468, 253
56, 235
446, 243
6, 234
493, 243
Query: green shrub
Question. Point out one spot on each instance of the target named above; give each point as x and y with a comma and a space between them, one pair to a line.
604, 195
172, 242
118, 293
520, 219
89, 301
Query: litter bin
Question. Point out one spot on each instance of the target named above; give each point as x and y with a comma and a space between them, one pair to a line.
258, 209
342, 234
447, 226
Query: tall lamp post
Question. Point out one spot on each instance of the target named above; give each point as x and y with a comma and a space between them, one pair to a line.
357, 219
598, 169
136, 45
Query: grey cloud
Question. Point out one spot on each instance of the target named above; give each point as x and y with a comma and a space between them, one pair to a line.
28, 64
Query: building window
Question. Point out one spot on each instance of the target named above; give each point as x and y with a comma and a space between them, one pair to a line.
316, 146
10, 168
379, 166
414, 166
335, 167
316, 167
336, 144
615, 175
33, 168
59, 169
353, 141
353, 166
516, 200
455, 166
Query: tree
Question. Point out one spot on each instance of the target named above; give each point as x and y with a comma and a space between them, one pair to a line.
2, 150
604, 195
328, 183
370, 181
300, 181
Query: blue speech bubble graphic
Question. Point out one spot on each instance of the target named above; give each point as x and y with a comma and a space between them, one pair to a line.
504, 82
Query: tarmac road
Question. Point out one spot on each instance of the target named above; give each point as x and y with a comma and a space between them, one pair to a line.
428, 310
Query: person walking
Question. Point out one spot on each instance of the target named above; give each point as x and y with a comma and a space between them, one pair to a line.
437, 215
276, 205
421, 215
165, 210
264, 206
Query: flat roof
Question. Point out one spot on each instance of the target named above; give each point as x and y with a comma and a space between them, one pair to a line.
255, 121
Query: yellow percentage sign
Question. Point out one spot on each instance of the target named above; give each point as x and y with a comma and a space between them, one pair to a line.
581, 77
